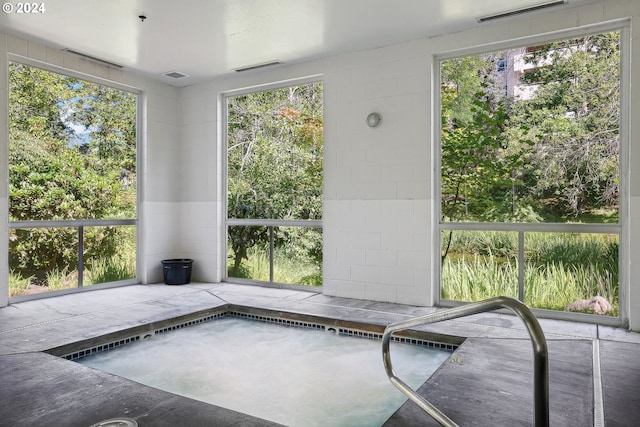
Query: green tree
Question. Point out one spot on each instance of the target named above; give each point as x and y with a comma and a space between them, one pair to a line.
274, 161
574, 119
109, 115
54, 120
479, 168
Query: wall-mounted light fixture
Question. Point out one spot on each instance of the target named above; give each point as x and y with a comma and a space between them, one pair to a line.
374, 120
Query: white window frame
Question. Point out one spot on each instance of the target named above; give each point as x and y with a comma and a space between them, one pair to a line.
621, 228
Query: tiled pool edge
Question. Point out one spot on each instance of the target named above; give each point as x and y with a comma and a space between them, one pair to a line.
83, 348
346, 331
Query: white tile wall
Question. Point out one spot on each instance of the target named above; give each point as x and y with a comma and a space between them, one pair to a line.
197, 237
199, 175
378, 177
379, 244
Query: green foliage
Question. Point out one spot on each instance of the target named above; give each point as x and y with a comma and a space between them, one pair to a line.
286, 269
34, 97
552, 153
477, 169
297, 257
60, 185
478, 277
111, 269
554, 286
550, 287
542, 145
18, 285
480, 168
560, 268
486, 243
120, 265
275, 154
574, 118
71, 156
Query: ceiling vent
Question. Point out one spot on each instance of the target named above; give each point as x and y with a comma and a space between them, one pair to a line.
93, 58
256, 66
522, 10
175, 75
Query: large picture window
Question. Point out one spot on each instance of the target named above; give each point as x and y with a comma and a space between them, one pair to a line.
530, 149
72, 182
274, 185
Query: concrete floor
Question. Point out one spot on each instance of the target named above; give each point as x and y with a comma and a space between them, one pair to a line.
487, 381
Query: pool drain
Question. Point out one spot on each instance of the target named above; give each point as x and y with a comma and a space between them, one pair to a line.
116, 422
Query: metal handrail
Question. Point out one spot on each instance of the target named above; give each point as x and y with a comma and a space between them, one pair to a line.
540, 354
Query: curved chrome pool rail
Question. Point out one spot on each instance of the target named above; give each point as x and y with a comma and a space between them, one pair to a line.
540, 354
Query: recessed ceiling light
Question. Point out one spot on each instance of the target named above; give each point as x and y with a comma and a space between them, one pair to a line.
522, 10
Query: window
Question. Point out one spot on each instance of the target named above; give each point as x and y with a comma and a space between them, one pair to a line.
274, 185
72, 181
530, 149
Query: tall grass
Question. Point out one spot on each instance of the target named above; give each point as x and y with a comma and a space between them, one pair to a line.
18, 285
61, 279
102, 270
112, 269
560, 268
119, 266
286, 269
554, 286
474, 278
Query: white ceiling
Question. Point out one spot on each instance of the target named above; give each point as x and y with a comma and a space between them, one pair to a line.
206, 38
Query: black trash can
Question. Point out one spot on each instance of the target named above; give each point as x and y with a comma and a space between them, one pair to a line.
177, 271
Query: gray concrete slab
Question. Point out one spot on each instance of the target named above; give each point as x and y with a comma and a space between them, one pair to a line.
487, 381
46, 310
43, 390
56, 326
620, 366
609, 333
